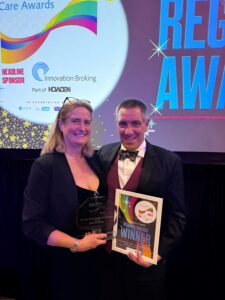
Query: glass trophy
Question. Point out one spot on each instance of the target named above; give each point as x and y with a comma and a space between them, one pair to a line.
92, 215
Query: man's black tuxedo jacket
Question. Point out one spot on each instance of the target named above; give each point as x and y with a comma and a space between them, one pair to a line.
162, 176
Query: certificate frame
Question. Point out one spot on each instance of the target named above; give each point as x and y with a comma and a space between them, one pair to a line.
137, 224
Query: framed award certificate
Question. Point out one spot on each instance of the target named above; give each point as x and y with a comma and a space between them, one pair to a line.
137, 224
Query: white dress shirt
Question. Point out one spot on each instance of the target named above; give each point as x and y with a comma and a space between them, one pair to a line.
126, 166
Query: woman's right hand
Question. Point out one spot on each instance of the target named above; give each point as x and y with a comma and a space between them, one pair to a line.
91, 241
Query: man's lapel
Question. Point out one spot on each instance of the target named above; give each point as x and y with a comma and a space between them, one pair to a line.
147, 168
111, 155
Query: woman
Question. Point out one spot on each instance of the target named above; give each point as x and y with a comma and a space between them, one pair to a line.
60, 181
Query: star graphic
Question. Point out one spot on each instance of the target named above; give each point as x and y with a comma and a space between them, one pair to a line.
155, 110
157, 49
5, 129
13, 138
152, 124
46, 132
4, 113
26, 124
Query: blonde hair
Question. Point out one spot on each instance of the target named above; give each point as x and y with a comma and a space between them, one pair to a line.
55, 140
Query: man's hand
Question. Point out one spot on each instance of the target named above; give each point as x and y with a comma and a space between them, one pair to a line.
138, 259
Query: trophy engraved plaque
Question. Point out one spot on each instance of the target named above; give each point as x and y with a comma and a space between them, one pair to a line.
92, 216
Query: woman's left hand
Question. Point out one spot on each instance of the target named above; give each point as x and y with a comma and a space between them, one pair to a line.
91, 241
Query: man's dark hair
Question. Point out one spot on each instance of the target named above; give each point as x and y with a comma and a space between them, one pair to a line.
132, 103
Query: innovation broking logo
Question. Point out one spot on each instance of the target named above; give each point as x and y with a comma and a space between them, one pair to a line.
39, 70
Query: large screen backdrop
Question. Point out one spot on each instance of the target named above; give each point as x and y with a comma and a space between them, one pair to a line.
169, 53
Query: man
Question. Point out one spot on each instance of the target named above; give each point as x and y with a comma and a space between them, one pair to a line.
156, 172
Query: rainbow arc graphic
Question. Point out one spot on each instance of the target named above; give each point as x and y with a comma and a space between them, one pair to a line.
81, 13
126, 204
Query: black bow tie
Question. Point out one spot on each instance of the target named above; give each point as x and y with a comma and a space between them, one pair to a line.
128, 154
